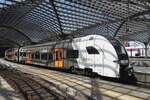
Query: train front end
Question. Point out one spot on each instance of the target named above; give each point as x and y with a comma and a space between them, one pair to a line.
126, 71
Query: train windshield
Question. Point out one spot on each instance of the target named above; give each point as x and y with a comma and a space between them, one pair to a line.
121, 52
119, 48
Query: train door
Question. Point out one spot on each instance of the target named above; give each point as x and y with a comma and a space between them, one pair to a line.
99, 63
29, 57
95, 59
59, 58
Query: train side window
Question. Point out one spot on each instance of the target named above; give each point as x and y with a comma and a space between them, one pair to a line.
57, 58
24, 54
72, 53
21, 54
92, 50
44, 56
50, 57
37, 55
60, 55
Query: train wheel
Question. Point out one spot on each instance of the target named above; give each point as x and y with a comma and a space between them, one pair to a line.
72, 69
88, 72
94, 74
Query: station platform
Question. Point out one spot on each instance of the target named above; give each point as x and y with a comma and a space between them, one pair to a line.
142, 69
46, 84
140, 62
7, 92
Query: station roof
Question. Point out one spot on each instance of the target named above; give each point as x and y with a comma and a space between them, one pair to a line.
24, 22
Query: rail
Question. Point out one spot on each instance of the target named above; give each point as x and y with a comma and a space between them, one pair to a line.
30, 87
143, 79
72, 86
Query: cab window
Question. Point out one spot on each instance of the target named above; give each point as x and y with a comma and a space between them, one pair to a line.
92, 50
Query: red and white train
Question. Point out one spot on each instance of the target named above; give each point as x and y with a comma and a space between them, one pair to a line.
91, 53
136, 49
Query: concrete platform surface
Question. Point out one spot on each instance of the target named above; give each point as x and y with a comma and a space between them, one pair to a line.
77, 87
142, 69
7, 92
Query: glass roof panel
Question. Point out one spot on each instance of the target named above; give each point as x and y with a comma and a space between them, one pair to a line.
41, 19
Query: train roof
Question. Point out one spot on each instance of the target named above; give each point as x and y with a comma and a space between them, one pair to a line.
89, 37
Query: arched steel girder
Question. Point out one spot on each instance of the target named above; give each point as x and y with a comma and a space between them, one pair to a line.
10, 42
140, 32
132, 17
148, 39
57, 16
20, 32
121, 24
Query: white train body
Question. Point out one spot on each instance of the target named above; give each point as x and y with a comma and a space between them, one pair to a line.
101, 62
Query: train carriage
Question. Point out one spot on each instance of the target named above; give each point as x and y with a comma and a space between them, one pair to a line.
91, 53
12, 54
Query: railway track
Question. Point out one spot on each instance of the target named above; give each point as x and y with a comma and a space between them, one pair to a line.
92, 88
31, 87
143, 79
79, 87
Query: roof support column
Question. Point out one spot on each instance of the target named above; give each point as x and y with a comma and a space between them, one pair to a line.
146, 47
119, 28
57, 16
17, 30
146, 44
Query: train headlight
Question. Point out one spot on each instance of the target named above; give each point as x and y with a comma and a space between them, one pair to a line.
124, 62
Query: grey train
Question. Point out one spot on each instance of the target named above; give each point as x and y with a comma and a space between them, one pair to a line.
91, 53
